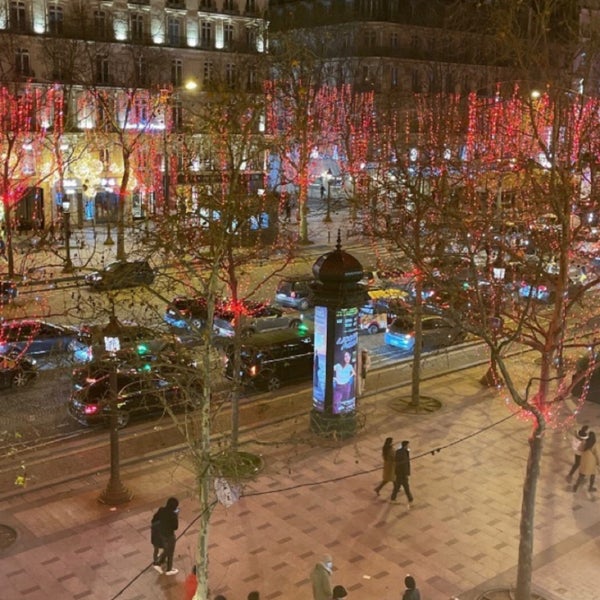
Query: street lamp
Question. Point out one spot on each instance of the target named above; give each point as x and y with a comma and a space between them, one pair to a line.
491, 378
66, 205
115, 492
328, 175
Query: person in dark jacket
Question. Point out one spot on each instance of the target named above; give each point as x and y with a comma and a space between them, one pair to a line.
389, 463
411, 592
167, 523
402, 466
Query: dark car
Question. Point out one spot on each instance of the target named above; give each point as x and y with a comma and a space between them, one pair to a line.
186, 313
122, 274
8, 291
138, 395
130, 335
295, 292
16, 370
39, 338
170, 361
270, 360
542, 287
437, 331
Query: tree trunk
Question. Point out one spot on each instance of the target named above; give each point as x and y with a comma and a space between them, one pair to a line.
8, 242
524, 570
121, 254
416, 365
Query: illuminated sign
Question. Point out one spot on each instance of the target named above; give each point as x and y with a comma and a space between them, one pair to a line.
345, 359
319, 363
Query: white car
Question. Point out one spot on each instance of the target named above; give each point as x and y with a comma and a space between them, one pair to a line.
255, 318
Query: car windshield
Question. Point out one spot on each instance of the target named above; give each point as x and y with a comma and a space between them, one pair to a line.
402, 324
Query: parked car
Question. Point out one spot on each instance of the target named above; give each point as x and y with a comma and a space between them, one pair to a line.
131, 336
270, 360
170, 361
295, 292
186, 313
16, 370
138, 395
437, 331
255, 317
34, 337
8, 291
122, 274
541, 287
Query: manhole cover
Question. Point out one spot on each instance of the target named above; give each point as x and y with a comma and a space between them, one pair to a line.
8, 536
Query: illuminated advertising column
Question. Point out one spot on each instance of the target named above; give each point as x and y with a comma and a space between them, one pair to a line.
337, 296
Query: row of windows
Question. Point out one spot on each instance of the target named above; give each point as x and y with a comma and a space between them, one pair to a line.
103, 70
19, 21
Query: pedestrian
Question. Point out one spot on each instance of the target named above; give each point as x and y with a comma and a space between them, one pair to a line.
168, 522
589, 463
411, 592
577, 442
339, 592
190, 585
320, 578
389, 464
402, 472
156, 538
2, 248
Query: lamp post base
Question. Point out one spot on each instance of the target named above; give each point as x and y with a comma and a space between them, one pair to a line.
338, 427
115, 493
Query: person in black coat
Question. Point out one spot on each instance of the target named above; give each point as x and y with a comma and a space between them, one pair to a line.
402, 466
164, 524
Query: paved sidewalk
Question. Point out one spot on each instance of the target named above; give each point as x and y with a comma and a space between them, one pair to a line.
316, 496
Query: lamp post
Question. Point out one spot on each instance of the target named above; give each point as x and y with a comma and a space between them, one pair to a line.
115, 492
66, 205
328, 175
491, 378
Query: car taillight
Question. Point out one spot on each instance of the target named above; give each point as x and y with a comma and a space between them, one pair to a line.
91, 409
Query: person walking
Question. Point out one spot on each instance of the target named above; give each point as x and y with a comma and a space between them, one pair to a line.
402, 472
389, 464
577, 443
168, 522
320, 579
411, 592
589, 463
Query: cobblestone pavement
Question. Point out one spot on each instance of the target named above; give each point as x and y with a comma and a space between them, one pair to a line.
316, 496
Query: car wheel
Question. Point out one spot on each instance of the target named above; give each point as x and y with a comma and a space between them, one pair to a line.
303, 305
20, 378
372, 329
295, 324
273, 383
122, 419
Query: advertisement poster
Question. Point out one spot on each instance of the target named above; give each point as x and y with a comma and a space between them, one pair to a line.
319, 366
345, 359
